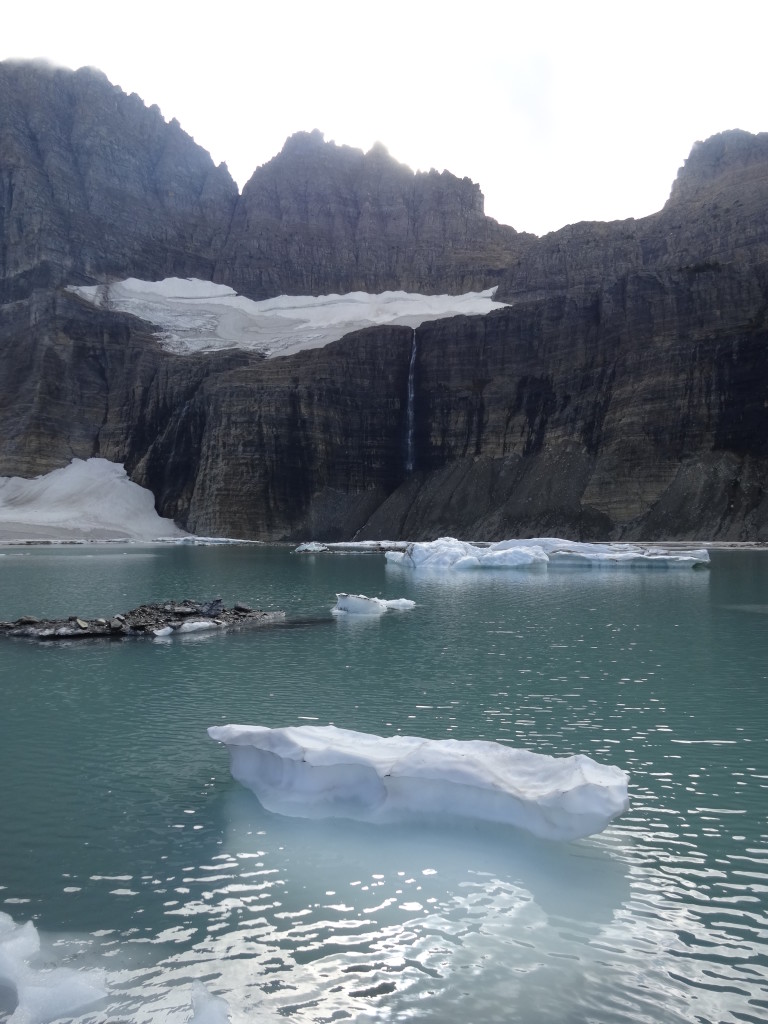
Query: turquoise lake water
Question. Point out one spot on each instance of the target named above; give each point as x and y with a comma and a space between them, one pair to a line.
127, 843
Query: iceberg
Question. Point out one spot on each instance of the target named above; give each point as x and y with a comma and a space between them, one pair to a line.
448, 553
359, 604
323, 771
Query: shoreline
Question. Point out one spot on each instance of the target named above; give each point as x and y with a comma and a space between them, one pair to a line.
16, 535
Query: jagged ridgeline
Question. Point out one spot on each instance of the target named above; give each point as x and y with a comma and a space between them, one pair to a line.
622, 393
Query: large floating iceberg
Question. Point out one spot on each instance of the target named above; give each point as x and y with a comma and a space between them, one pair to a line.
198, 316
322, 771
542, 552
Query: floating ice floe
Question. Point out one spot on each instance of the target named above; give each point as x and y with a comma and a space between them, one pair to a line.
359, 604
541, 553
200, 541
322, 771
354, 547
198, 316
91, 499
42, 993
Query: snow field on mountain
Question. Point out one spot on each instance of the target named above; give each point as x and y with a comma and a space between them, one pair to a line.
199, 316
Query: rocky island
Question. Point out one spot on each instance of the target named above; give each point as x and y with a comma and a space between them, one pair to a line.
148, 620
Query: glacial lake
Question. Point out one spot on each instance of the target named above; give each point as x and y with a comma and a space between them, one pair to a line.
129, 846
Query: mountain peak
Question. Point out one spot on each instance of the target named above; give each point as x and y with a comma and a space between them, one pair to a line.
719, 161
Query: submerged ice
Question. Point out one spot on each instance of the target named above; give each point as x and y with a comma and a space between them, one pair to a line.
448, 553
42, 993
323, 771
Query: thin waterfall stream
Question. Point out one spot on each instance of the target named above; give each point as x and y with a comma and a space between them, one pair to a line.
410, 410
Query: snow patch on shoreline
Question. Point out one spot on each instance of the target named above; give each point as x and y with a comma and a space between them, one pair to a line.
90, 499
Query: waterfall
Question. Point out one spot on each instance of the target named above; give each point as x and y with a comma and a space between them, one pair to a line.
410, 413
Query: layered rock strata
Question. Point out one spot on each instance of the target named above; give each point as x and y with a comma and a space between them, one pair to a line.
536, 419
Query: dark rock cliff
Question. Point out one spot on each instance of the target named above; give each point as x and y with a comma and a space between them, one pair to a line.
94, 185
230, 443
321, 219
624, 393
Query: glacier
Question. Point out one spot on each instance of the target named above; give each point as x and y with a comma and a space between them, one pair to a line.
325, 771
199, 316
539, 553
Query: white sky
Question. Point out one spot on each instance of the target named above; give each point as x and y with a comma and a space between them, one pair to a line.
560, 111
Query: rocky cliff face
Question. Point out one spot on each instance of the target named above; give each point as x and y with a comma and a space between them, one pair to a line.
715, 217
231, 443
94, 185
624, 393
322, 219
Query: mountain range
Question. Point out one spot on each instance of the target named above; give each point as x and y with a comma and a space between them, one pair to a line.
621, 392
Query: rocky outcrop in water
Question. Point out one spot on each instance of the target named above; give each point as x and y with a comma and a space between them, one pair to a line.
622, 394
152, 620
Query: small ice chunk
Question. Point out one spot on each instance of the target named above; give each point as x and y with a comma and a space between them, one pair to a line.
207, 1008
311, 547
42, 994
196, 625
164, 631
359, 604
400, 604
322, 771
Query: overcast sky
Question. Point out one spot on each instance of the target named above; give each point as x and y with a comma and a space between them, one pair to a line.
560, 111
